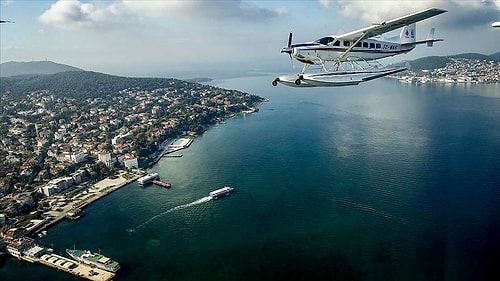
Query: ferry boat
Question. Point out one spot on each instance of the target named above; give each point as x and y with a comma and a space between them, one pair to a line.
221, 192
94, 259
148, 178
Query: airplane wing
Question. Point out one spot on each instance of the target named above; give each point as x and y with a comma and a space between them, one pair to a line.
378, 29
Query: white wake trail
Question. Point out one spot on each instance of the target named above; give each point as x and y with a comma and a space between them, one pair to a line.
176, 208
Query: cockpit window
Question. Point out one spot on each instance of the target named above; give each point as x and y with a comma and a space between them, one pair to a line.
325, 40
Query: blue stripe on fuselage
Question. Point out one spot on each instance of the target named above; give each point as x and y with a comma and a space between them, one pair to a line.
358, 50
304, 45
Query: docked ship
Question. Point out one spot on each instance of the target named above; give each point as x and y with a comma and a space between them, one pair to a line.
94, 259
148, 178
221, 192
75, 214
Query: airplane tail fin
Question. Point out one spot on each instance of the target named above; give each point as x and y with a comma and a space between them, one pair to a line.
430, 38
408, 34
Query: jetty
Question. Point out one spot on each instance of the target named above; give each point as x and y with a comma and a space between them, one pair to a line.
172, 155
161, 183
73, 267
27, 250
153, 178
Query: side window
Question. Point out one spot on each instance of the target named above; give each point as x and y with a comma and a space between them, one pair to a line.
372, 45
347, 43
337, 43
358, 45
378, 46
365, 45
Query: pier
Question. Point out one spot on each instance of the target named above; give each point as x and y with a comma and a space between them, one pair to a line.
162, 183
73, 267
172, 155
27, 250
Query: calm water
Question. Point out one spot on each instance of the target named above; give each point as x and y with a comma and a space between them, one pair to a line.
383, 181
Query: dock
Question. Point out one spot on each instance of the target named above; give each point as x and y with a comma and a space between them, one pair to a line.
172, 155
161, 183
73, 267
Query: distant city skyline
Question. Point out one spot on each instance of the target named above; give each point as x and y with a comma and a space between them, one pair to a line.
186, 38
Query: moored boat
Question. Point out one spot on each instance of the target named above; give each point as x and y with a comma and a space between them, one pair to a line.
95, 259
148, 178
75, 214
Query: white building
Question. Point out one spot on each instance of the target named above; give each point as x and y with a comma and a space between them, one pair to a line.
131, 162
78, 176
56, 185
78, 157
104, 157
120, 138
2, 219
49, 190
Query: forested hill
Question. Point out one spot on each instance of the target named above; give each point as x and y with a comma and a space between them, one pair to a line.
435, 62
80, 84
13, 68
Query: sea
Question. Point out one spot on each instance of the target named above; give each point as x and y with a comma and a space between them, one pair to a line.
381, 181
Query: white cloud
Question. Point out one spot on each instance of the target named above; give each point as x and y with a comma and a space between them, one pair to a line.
164, 35
465, 13
213, 10
76, 14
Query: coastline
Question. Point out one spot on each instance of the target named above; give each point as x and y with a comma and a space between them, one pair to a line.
97, 191
62, 205
164, 149
106, 186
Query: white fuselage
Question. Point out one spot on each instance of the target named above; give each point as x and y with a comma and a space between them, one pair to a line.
368, 49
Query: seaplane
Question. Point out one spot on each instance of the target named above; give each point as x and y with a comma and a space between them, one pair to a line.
351, 58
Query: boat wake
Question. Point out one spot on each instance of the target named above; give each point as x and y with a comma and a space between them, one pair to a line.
176, 208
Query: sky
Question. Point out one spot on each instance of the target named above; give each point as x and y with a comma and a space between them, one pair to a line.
193, 38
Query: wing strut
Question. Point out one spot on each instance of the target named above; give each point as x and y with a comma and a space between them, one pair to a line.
352, 46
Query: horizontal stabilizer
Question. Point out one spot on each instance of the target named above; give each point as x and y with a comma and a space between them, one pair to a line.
429, 43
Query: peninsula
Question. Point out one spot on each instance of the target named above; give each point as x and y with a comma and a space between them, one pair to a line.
64, 132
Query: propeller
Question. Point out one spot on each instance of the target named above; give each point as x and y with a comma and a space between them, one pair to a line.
290, 39
288, 49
